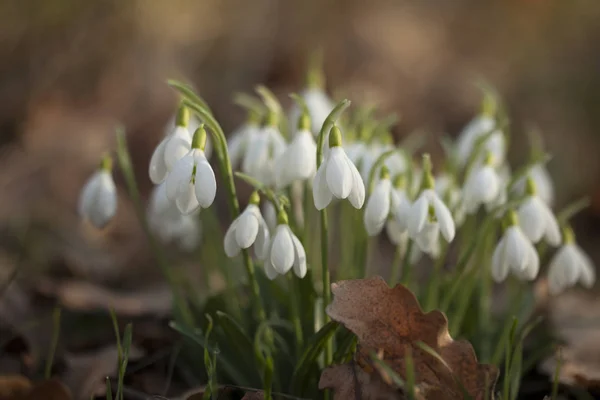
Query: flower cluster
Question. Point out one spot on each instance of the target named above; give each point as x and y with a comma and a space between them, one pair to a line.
355, 160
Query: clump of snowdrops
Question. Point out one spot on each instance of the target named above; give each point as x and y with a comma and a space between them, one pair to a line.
330, 187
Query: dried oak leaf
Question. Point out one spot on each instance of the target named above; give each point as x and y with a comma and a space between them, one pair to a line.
575, 320
20, 388
390, 322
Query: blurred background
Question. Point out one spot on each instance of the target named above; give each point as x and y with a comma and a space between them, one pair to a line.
70, 70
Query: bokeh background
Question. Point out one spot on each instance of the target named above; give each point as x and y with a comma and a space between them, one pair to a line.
70, 70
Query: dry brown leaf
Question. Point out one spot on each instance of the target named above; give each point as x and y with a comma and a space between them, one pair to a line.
391, 323
86, 373
86, 296
575, 318
349, 381
20, 388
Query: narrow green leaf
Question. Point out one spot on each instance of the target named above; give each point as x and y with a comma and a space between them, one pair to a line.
556, 377
396, 379
188, 93
268, 378
572, 209
249, 103
108, 389
313, 349
410, 376
53, 342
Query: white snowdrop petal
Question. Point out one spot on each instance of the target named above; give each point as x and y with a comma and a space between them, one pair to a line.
177, 145
515, 248
186, 200
282, 250
402, 212
321, 194
587, 273
88, 194
247, 229
552, 231
230, 243
299, 257
428, 238
338, 175
531, 220
444, 218
418, 216
270, 270
180, 176
158, 169
256, 153
105, 205
261, 245
357, 194
532, 265
394, 232
378, 207
206, 184
500, 265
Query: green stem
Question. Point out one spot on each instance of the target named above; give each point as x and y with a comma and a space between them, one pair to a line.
326, 281
396, 266
407, 266
127, 170
433, 287
220, 143
297, 323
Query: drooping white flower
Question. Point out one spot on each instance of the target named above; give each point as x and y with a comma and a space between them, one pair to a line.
543, 183
379, 204
171, 149
337, 176
240, 140
265, 147
168, 224
298, 160
515, 253
319, 106
248, 229
476, 130
270, 214
401, 238
482, 186
285, 251
192, 184
429, 210
536, 218
569, 266
98, 199
401, 204
446, 188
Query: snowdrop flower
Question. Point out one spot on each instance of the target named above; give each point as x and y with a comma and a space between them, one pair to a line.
569, 266
337, 176
446, 188
429, 215
537, 220
401, 205
270, 214
248, 229
98, 199
318, 103
264, 148
239, 141
298, 161
191, 184
193, 124
171, 149
476, 130
165, 220
482, 185
285, 251
514, 253
543, 183
379, 204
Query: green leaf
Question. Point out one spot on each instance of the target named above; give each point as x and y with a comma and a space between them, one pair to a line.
188, 93
249, 102
313, 349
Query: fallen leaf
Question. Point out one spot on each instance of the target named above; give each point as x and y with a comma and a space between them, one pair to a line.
575, 319
349, 381
390, 322
86, 296
86, 373
20, 388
